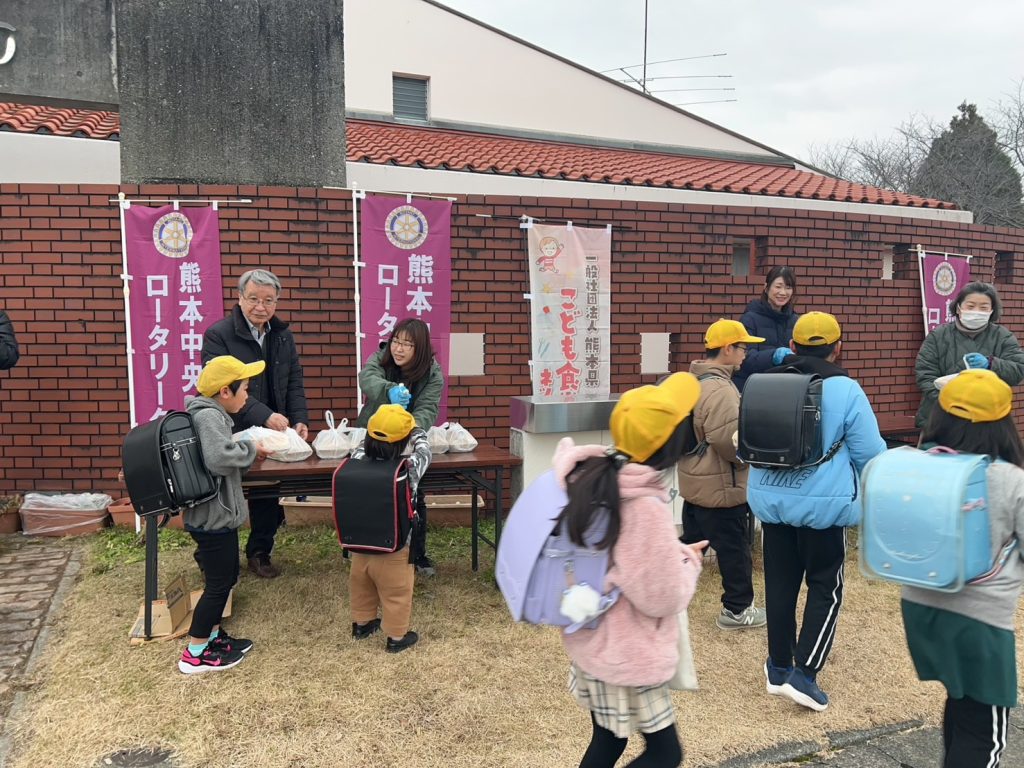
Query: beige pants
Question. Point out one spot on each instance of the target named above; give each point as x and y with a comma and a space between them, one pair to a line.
385, 581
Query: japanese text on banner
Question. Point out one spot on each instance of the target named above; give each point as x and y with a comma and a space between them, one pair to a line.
570, 285
175, 293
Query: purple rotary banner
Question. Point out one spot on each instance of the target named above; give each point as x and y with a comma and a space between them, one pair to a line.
942, 277
406, 247
175, 293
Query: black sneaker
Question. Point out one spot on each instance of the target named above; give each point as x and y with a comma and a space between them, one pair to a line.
424, 566
210, 660
396, 646
363, 631
225, 642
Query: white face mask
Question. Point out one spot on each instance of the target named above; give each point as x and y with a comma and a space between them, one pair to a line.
972, 321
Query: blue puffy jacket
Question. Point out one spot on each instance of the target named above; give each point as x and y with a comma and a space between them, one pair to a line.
776, 328
828, 494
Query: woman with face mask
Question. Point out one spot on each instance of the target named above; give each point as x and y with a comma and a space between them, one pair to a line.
973, 340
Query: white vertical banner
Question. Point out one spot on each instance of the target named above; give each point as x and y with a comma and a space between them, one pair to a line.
570, 328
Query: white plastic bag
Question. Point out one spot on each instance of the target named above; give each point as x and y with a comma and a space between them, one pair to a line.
459, 439
685, 678
333, 442
283, 446
437, 437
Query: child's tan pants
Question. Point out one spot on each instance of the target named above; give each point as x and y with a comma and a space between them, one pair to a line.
386, 581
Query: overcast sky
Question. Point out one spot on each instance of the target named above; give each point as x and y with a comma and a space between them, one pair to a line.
807, 71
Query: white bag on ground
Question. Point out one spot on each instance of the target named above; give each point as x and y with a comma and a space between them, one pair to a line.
459, 438
333, 442
685, 678
437, 437
283, 446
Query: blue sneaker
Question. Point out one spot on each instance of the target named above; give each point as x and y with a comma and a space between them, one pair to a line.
775, 676
802, 688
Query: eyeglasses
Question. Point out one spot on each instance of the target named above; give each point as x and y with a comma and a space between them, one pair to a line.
741, 346
252, 301
402, 344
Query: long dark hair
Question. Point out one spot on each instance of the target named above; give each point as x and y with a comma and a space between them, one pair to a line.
998, 439
788, 277
378, 449
593, 487
422, 358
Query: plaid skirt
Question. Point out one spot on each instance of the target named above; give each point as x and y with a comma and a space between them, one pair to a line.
620, 709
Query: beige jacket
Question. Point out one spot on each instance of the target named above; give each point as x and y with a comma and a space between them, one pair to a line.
714, 477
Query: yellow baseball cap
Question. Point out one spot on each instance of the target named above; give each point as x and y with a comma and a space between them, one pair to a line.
977, 395
226, 370
645, 417
722, 332
815, 329
390, 424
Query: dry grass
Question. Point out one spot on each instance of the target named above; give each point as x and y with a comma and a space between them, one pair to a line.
477, 691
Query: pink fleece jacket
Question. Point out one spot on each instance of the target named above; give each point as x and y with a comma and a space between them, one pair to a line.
635, 643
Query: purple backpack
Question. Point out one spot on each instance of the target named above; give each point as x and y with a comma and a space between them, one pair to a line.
537, 565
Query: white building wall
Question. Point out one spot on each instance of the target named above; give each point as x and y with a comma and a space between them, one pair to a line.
482, 77
28, 158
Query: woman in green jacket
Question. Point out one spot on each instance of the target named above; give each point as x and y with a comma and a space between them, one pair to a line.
974, 333
404, 372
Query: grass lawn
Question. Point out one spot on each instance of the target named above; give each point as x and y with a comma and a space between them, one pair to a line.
478, 690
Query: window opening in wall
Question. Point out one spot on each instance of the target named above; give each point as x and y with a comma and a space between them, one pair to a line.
409, 98
904, 262
1005, 268
742, 250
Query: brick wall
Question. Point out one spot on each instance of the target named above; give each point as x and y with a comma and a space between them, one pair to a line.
64, 408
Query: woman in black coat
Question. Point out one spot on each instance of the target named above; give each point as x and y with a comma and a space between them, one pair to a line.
771, 317
8, 344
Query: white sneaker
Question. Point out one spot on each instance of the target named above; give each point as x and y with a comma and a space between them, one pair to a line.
749, 618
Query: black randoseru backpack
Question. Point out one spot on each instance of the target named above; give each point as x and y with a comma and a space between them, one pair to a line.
163, 466
780, 421
373, 506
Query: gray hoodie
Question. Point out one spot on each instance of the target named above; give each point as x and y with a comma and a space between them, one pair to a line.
993, 602
226, 460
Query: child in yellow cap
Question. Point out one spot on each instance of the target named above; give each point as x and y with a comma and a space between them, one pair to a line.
223, 389
965, 639
384, 582
620, 669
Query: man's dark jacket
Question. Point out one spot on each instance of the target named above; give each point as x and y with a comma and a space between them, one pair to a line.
279, 389
8, 344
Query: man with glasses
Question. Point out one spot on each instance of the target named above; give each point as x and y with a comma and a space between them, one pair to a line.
277, 398
713, 481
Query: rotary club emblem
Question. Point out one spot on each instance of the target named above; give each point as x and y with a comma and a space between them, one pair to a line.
406, 227
172, 235
944, 279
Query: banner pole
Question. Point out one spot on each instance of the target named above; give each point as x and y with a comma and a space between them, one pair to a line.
357, 195
924, 297
122, 206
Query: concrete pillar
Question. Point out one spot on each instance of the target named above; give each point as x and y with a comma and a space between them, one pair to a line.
232, 91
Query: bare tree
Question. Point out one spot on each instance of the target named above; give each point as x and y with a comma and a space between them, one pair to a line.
962, 163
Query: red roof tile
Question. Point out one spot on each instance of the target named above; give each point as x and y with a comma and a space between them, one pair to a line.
443, 149
60, 122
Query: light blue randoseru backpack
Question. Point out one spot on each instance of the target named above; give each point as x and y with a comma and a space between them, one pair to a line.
544, 577
925, 519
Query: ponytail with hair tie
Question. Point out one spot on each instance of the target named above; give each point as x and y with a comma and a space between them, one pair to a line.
617, 457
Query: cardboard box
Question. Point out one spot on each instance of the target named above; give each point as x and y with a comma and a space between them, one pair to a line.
172, 615
315, 510
452, 510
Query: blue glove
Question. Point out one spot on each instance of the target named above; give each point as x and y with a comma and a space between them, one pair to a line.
976, 360
781, 354
399, 395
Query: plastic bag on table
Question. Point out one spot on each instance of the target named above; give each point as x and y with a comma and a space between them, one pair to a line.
459, 439
333, 442
283, 446
437, 437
